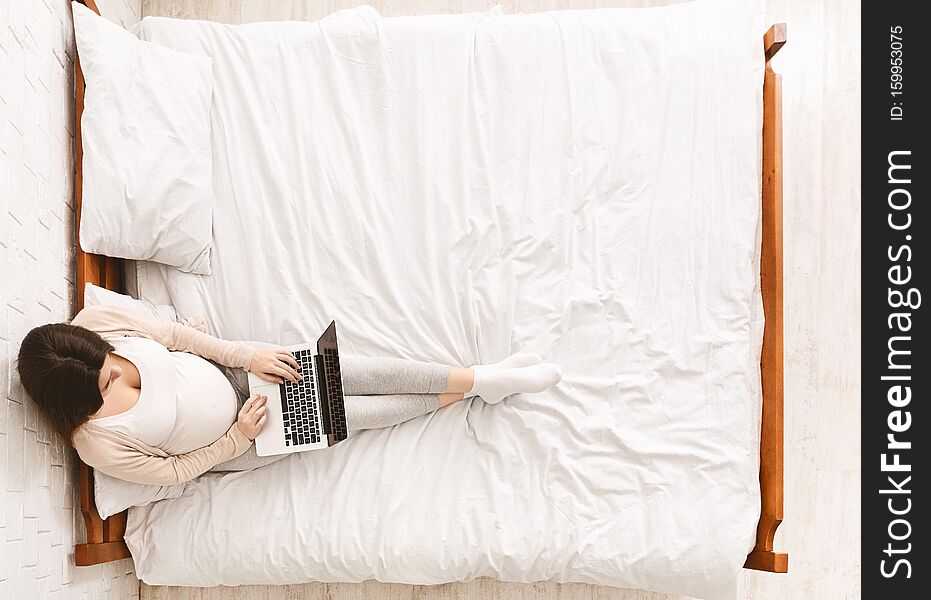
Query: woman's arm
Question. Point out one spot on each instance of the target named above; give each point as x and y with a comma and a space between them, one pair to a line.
174, 336
132, 464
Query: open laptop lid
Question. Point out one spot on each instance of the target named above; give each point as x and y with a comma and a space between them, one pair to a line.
334, 416
328, 339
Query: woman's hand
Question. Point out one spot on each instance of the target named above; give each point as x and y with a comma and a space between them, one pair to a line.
252, 416
273, 364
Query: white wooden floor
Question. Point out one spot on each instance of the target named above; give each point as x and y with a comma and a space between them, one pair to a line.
821, 86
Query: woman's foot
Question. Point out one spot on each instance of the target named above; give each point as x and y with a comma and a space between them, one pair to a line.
520, 359
492, 383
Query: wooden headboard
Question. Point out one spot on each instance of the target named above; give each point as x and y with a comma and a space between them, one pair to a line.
105, 537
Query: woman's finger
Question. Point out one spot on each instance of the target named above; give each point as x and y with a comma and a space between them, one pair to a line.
289, 369
259, 403
277, 369
288, 357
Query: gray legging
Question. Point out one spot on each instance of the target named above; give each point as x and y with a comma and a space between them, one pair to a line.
378, 392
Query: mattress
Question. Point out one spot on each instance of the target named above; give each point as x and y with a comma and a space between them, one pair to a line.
454, 188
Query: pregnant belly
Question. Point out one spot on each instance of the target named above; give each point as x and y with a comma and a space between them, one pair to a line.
206, 405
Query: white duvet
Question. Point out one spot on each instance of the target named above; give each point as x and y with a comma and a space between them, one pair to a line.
581, 184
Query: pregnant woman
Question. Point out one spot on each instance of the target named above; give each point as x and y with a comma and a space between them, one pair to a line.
154, 401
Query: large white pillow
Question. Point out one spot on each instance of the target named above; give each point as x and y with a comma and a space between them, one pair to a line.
96, 295
147, 190
113, 495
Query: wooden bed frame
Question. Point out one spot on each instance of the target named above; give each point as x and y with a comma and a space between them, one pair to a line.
105, 537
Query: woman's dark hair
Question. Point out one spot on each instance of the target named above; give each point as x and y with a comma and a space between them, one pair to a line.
59, 365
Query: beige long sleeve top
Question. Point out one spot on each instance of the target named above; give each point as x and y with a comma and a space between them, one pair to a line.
127, 458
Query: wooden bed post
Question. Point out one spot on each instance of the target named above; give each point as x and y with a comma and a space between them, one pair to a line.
763, 557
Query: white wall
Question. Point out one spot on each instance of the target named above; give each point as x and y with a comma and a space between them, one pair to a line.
39, 516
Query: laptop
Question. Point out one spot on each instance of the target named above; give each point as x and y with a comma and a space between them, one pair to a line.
306, 414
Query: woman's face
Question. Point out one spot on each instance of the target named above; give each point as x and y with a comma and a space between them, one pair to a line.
109, 373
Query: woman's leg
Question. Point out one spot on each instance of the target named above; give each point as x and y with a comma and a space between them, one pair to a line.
449, 398
364, 375
385, 410
522, 372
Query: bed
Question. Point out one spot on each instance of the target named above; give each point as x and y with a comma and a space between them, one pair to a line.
656, 463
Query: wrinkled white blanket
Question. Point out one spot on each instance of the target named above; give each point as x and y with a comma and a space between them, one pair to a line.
582, 184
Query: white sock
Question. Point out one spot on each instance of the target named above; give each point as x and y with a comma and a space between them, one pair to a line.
494, 384
521, 359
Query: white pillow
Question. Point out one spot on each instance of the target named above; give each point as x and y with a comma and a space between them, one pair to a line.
147, 190
113, 495
95, 295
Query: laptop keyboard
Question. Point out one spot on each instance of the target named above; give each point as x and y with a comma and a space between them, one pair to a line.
299, 404
335, 394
